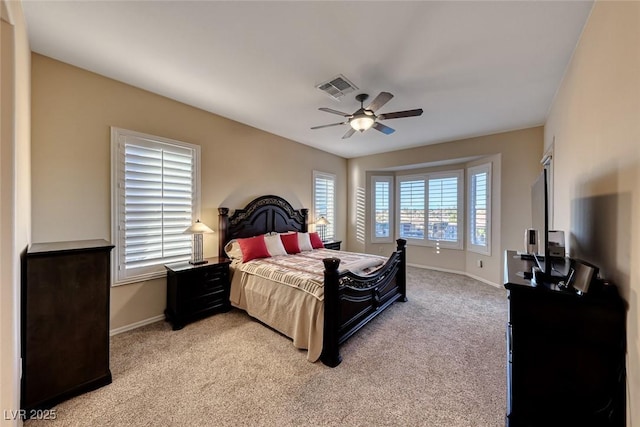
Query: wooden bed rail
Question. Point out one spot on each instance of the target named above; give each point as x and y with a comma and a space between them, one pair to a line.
350, 300
391, 278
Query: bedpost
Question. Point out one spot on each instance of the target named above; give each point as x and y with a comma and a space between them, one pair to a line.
223, 221
330, 354
401, 278
305, 214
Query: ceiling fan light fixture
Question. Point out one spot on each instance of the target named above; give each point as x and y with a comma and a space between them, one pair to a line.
366, 118
362, 122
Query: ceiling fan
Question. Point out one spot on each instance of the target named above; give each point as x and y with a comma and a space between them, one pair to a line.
366, 118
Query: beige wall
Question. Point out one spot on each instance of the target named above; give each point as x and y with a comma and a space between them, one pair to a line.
595, 123
515, 157
15, 196
72, 113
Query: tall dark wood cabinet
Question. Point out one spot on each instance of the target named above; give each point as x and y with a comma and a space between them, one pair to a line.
565, 353
65, 321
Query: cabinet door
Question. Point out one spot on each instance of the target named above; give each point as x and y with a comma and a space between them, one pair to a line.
566, 363
65, 324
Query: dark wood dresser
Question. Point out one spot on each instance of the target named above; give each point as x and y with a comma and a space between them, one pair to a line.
565, 353
196, 291
65, 321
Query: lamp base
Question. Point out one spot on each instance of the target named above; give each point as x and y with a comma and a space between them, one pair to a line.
204, 261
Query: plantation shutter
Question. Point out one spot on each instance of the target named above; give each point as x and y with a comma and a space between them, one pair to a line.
443, 209
479, 209
156, 199
382, 208
324, 201
479, 181
412, 197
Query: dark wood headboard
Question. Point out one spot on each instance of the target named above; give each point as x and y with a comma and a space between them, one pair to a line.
262, 215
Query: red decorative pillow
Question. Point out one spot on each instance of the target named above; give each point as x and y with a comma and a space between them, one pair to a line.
253, 247
290, 242
316, 242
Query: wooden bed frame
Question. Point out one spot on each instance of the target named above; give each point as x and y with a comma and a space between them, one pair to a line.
350, 301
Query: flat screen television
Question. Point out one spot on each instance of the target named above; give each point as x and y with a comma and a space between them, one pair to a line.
540, 222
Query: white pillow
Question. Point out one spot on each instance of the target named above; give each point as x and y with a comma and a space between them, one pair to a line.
274, 245
304, 242
233, 249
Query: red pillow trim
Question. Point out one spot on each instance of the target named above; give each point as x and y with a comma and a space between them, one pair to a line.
290, 242
316, 242
253, 247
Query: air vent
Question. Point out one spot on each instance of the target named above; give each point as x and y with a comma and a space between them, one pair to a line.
337, 87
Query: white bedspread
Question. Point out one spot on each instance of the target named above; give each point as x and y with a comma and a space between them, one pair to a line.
286, 292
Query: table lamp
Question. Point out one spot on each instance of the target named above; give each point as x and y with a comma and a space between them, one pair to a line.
322, 222
197, 229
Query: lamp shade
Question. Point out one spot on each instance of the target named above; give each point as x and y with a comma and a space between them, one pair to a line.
198, 228
322, 221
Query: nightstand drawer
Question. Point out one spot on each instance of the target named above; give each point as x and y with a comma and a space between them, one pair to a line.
208, 302
206, 282
196, 291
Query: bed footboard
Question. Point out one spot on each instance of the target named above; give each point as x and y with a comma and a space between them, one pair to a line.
352, 301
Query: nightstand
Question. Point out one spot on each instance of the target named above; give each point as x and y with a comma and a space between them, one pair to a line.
196, 291
332, 244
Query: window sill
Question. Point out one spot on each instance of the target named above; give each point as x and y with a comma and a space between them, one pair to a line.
431, 244
140, 278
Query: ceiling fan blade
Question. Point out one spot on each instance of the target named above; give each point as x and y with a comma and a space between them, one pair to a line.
349, 133
332, 111
400, 114
326, 126
381, 99
382, 128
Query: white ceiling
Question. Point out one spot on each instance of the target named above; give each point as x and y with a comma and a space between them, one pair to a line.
475, 67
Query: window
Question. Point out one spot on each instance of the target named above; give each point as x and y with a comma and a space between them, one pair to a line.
443, 209
479, 181
155, 194
324, 201
411, 195
439, 224
361, 201
381, 208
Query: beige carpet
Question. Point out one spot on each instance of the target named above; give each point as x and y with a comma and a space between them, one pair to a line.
437, 360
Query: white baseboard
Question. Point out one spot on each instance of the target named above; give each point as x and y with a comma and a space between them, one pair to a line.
160, 317
463, 273
136, 325
483, 280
